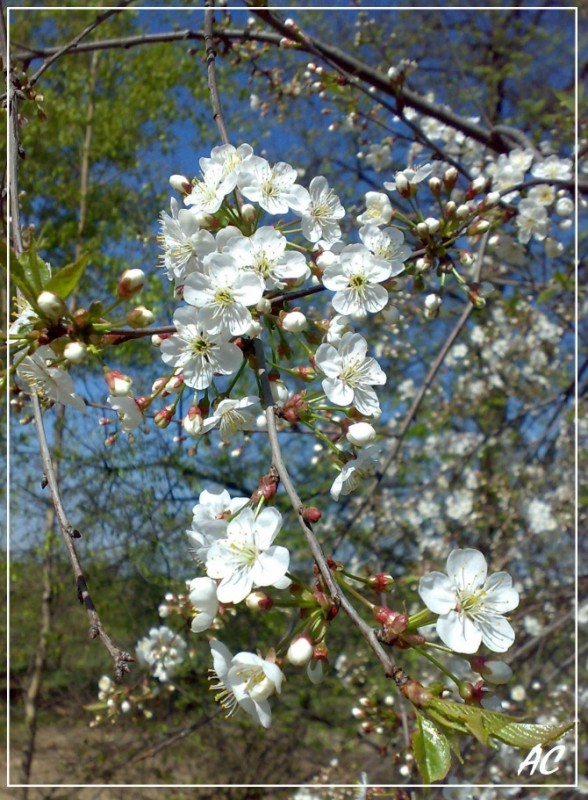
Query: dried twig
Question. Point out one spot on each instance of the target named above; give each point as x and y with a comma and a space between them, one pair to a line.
120, 657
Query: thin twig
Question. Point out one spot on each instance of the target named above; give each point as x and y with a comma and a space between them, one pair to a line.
70, 45
419, 397
120, 658
369, 634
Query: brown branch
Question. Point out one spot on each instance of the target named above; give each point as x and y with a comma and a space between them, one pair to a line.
120, 657
217, 113
368, 633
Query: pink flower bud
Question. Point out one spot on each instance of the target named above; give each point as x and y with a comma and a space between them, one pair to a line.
131, 282
119, 384
381, 582
163, 417
192, 422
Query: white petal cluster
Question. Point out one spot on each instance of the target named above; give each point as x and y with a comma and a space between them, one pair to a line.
47, 381
163, 651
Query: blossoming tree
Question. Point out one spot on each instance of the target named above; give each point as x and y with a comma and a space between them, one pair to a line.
289, 305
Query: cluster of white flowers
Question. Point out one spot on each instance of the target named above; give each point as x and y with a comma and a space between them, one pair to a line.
163, 651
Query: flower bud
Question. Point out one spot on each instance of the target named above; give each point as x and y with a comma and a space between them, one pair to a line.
279, 391
463, 211
492, 199
156, 340
248, 212
125, 706
360, 434
175, 383
75, 352
433, 225
496, 672
294, 322
432, 302
52, 306
450, 177
192, 422
140, 317
180, 183
300, 651
564, 207
435, 186
131, 282
479, 184
450, 209
163, 417
422, 230
264, 306
402, 184
553, 248
258, 601
381, 582
119, 384
481, 226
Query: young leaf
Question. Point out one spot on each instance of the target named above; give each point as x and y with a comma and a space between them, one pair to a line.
431, 751
65, 280
482, 724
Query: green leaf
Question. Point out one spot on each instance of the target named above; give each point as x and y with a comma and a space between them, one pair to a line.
18, 275
431, 750
482, 724
65, 280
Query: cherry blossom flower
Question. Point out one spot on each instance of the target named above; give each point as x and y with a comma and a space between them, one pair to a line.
129, 414
350, 374
387, 243
355, 278
197, 352
207, 194
202, 595
553, 168
319, 218
162, 650
183, 243
470, 604
210, 517
274, 188
532, 221
408, 177
245, 680
50, 383
357, 470
222, 294
265, 253
230, 160
233, 416
378, 209
245, 558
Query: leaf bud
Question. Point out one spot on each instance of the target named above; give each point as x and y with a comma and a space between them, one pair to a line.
311, 514
131, 282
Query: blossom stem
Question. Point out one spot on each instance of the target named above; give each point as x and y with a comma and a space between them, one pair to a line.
437, 663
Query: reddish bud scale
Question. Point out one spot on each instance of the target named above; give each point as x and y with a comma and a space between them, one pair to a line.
311, 515
304, 373
321, 652
143, 401
163, 418
416, 693
381, 582
273, 375
478, 664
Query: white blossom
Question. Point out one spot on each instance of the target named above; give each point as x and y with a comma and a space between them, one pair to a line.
48, 382
387, 243
198, 352
357, 470
350, 374
470, 604
319, 218
202, 595
355, 279
274, 188
378, 209
162, 650
245, 680
210, 517
246, 558
233, 416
